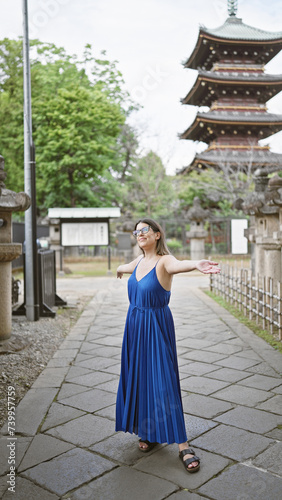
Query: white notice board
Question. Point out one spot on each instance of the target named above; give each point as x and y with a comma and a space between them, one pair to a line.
239, 243
84, 234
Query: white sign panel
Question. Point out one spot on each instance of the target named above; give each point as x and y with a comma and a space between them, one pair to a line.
239, 243
84, 234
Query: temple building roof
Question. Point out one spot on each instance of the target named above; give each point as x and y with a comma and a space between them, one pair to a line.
216, 158
258, 45
200, 130
235, 29
268, 85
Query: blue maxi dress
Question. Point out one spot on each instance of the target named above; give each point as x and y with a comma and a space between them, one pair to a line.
149, 399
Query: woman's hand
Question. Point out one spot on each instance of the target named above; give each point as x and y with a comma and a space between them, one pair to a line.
119, 274
208, 267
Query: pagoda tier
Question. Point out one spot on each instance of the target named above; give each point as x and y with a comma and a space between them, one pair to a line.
232, 82
209, 126
242, 83
234, 38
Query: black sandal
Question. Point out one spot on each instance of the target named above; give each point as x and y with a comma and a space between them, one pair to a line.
150, 445
189, 451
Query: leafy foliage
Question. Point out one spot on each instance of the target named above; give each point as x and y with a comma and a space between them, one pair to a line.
77, 120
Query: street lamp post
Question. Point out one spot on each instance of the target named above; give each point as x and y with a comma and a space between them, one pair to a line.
31, 274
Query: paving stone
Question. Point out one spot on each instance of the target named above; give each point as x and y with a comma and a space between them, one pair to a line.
21, 445
90, 401
109, 412
84, 431
196, 368
275, 434
263, 369
111, 386
4, 486
243, 483
195, 426
242, 395
273, 405
76, 371
122, 447
250, 419
69, 471
51, 377
204, 406
70, 344
224, 348
108, 340
233, 443
250, 354
237, 362
261, 382
97, 363
69, 389
94, 378
194, 343
271, 459
278, 390
125, 482
202, 385
228, 374
107, 352
58, 363
115, 369
41, 449
59, 414
66, 353
26, 490
186, 495
165, 463
204, 356
32, 409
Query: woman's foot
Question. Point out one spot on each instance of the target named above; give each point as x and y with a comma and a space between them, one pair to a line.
190, 466
146, 446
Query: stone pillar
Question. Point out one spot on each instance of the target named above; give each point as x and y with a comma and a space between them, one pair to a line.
197, 234
9, 202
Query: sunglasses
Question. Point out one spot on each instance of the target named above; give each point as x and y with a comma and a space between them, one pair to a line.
144, 230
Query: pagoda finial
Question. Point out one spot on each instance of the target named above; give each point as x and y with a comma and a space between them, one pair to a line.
232, 7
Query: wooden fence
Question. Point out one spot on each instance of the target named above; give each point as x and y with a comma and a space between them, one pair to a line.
258, 298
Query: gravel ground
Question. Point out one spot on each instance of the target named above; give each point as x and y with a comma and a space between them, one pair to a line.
31, 346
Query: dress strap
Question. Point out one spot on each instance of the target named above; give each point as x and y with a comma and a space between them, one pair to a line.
139, 262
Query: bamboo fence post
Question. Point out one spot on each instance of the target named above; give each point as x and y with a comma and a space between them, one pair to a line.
263, 302
270, 289
279, 309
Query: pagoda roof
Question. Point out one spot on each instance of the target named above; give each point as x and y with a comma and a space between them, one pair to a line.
269, 123
235, 33
198, 91
235, 29
214, 157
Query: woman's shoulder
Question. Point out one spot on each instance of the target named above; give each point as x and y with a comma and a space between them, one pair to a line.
165, 259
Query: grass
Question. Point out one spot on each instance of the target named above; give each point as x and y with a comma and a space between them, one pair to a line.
89, 266
270, 339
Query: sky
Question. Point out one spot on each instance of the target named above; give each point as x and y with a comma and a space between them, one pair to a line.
149, 39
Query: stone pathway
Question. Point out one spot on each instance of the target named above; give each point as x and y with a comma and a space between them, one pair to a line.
66, 445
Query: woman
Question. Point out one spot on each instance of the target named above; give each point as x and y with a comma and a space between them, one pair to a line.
149, 400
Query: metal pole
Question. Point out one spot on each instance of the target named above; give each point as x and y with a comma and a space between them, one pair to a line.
31, 299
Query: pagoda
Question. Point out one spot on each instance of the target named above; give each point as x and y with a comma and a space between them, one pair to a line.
232, 82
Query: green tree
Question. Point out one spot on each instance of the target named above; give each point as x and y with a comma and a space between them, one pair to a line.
150, 189
79, 109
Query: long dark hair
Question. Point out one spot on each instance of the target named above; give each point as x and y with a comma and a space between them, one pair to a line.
161, 243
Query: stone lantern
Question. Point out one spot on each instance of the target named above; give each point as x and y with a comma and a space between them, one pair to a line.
197, 234
9, 202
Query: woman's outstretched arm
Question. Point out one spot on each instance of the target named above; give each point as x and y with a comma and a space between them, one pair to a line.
127, 268
175, 266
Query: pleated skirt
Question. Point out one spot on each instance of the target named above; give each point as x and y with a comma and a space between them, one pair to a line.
149, 399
